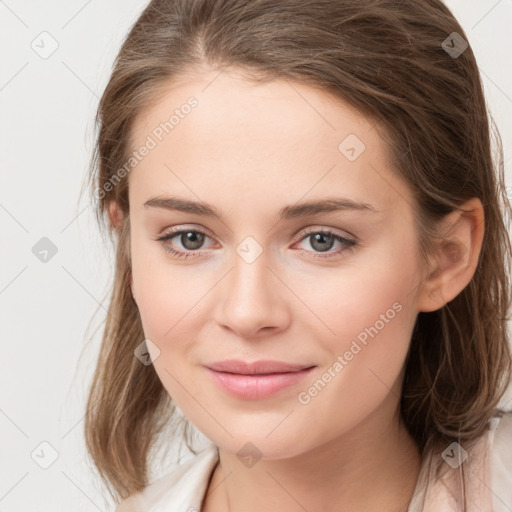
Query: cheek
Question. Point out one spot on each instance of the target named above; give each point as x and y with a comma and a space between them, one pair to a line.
368, 316
166, 306
363, 361
166, 303
171, 300
163, 291
374, 290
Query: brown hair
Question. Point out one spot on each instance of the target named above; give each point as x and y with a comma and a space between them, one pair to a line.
386, 59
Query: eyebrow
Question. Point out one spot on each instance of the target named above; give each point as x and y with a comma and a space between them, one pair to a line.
288, 212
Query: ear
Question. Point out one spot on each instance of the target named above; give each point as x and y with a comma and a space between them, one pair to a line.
115, 214
456, 257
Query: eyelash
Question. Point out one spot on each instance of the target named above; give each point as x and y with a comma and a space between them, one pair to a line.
347, 242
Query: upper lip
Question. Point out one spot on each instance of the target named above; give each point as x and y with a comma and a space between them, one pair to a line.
256, 367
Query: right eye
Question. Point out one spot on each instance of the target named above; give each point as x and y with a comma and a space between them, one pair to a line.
190, 239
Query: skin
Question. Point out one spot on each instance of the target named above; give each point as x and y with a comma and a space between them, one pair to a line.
274, 145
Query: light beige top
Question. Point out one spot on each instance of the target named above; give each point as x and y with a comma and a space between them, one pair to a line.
488, 465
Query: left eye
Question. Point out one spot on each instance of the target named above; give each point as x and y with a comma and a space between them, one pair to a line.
323, 241
192, 240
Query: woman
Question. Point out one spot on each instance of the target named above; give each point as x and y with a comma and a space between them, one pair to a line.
312, 261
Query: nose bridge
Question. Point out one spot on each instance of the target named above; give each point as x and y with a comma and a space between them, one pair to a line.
250, 297
250, 277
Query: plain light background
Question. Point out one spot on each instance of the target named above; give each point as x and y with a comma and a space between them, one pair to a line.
47, 110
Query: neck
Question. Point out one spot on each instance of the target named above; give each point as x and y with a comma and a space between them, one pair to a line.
375, 466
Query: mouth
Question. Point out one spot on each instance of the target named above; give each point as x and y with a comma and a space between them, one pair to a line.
257, 367
258, 380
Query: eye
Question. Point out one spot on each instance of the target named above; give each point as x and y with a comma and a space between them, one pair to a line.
191, 240
323, 240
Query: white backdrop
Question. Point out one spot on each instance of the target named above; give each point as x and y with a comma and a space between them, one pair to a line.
48, 101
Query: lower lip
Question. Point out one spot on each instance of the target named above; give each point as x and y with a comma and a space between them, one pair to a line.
255, 387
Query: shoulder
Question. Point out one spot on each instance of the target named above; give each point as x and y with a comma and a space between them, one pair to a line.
501, 461
126, 506
487, 467
181, 488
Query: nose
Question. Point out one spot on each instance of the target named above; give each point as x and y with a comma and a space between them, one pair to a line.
252, 299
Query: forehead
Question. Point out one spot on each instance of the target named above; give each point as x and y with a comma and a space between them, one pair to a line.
233, 110
272, 138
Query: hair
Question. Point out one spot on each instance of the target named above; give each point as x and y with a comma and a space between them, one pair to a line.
386, 59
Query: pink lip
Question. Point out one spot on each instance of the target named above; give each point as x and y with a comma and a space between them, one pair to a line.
253, 381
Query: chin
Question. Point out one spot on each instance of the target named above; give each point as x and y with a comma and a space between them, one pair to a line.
257, 443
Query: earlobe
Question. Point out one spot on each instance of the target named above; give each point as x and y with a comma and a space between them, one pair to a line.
456, 258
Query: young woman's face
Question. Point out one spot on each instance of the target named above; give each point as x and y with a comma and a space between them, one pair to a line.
260, 282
